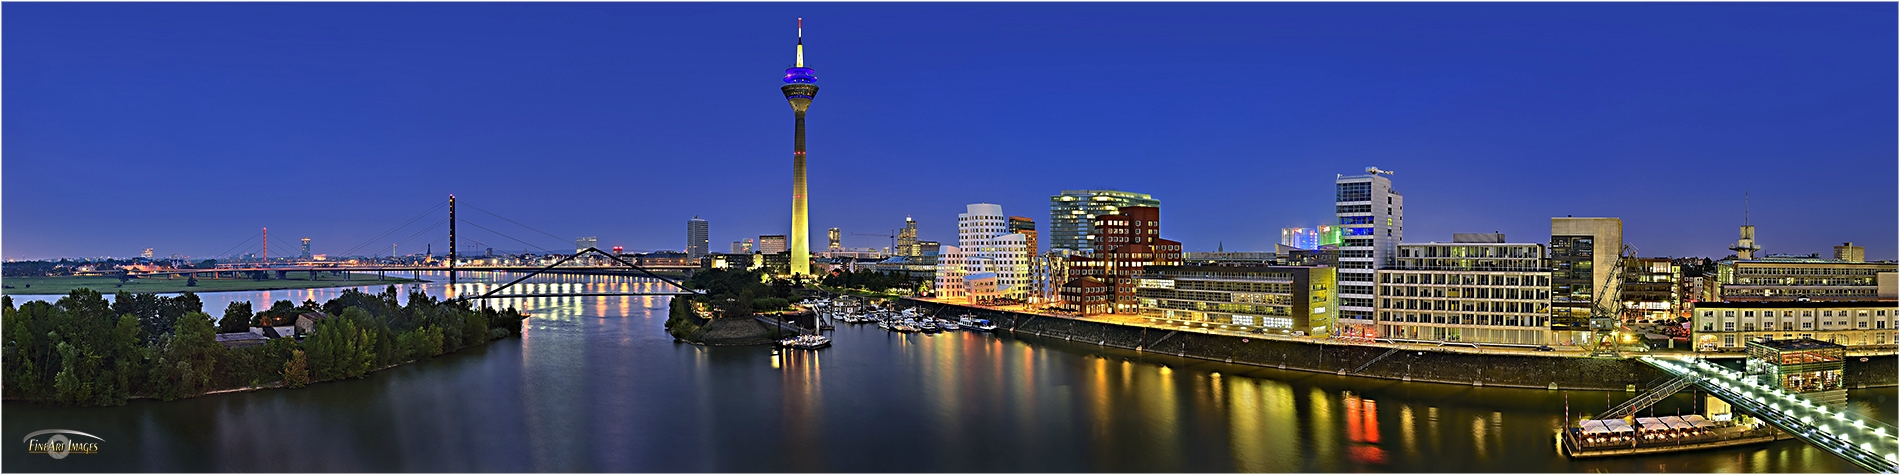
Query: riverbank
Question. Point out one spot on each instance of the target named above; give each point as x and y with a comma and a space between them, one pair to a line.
686, 322
1401, 362
99, 353
106, 285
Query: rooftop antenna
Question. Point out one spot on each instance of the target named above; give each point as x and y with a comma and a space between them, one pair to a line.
1744, 207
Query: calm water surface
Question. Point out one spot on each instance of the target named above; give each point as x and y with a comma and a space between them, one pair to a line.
595, 384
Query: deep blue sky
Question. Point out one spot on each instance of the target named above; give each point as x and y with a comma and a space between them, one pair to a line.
185, 127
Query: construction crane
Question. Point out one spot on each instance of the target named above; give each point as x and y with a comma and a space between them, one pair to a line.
892, 236
1606, 313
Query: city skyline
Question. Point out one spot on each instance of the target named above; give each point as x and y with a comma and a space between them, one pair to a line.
1253, 109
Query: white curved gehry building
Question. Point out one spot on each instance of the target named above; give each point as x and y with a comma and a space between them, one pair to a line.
988, 261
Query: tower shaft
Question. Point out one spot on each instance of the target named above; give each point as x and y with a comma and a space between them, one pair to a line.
801, 226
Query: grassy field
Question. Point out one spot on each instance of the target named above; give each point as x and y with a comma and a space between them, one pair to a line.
107, 285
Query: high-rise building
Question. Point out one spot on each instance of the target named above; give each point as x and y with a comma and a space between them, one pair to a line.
1125, 242
800, 87
837, 240
582, 244
1024, 226
772, 244
1371, 223
1487, 291
988, 262
1072, 215
698, 243
907, 239
306, 249
1583, 258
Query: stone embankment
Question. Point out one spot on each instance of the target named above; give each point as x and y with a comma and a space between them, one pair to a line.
1407, 364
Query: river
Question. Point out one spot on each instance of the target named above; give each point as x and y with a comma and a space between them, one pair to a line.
595, 385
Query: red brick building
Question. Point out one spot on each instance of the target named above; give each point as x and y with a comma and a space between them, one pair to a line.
1124, 243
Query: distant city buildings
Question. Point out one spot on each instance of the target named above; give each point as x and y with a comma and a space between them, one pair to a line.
582, 244
698, 242
306, 250
988, 263
1310, 238
836, 240
907, 239
1371, 223
1072, 215
772, 244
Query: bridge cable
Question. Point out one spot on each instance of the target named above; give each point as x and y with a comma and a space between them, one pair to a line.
517, 223
406, 240
404, 224
227, 252
498, 233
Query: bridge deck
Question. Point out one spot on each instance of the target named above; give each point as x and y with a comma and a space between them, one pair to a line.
1868, 443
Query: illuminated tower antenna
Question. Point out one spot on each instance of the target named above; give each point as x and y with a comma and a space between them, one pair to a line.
800, 86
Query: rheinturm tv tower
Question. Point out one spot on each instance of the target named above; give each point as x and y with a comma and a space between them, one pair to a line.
800, 86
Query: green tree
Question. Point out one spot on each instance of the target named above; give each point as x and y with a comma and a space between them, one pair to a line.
237, 318
296, 371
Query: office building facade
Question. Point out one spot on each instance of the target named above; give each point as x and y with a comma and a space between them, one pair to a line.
1787, 278
1467, 292
1072, 215
1249, 298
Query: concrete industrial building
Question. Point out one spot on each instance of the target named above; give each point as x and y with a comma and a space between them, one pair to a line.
1072, 215
989, 262
1473, 292
1584, 253
1371, 223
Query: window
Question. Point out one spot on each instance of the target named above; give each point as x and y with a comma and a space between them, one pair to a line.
1728, 340
1728, 326
1863, 324
1807, 325
1769, 314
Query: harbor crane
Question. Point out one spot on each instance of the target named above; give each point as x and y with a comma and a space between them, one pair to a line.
1605, 312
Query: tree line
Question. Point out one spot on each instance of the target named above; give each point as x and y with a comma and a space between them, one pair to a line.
83, 350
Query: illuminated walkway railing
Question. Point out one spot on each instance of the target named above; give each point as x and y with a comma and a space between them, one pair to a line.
1868, 443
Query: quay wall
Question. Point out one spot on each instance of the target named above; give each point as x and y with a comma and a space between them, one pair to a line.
1424, 365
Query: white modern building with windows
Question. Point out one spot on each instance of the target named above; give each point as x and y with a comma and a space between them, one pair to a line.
1372, 222
988, 261
1471, 292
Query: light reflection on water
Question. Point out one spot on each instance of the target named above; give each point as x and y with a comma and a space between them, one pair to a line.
596, 385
